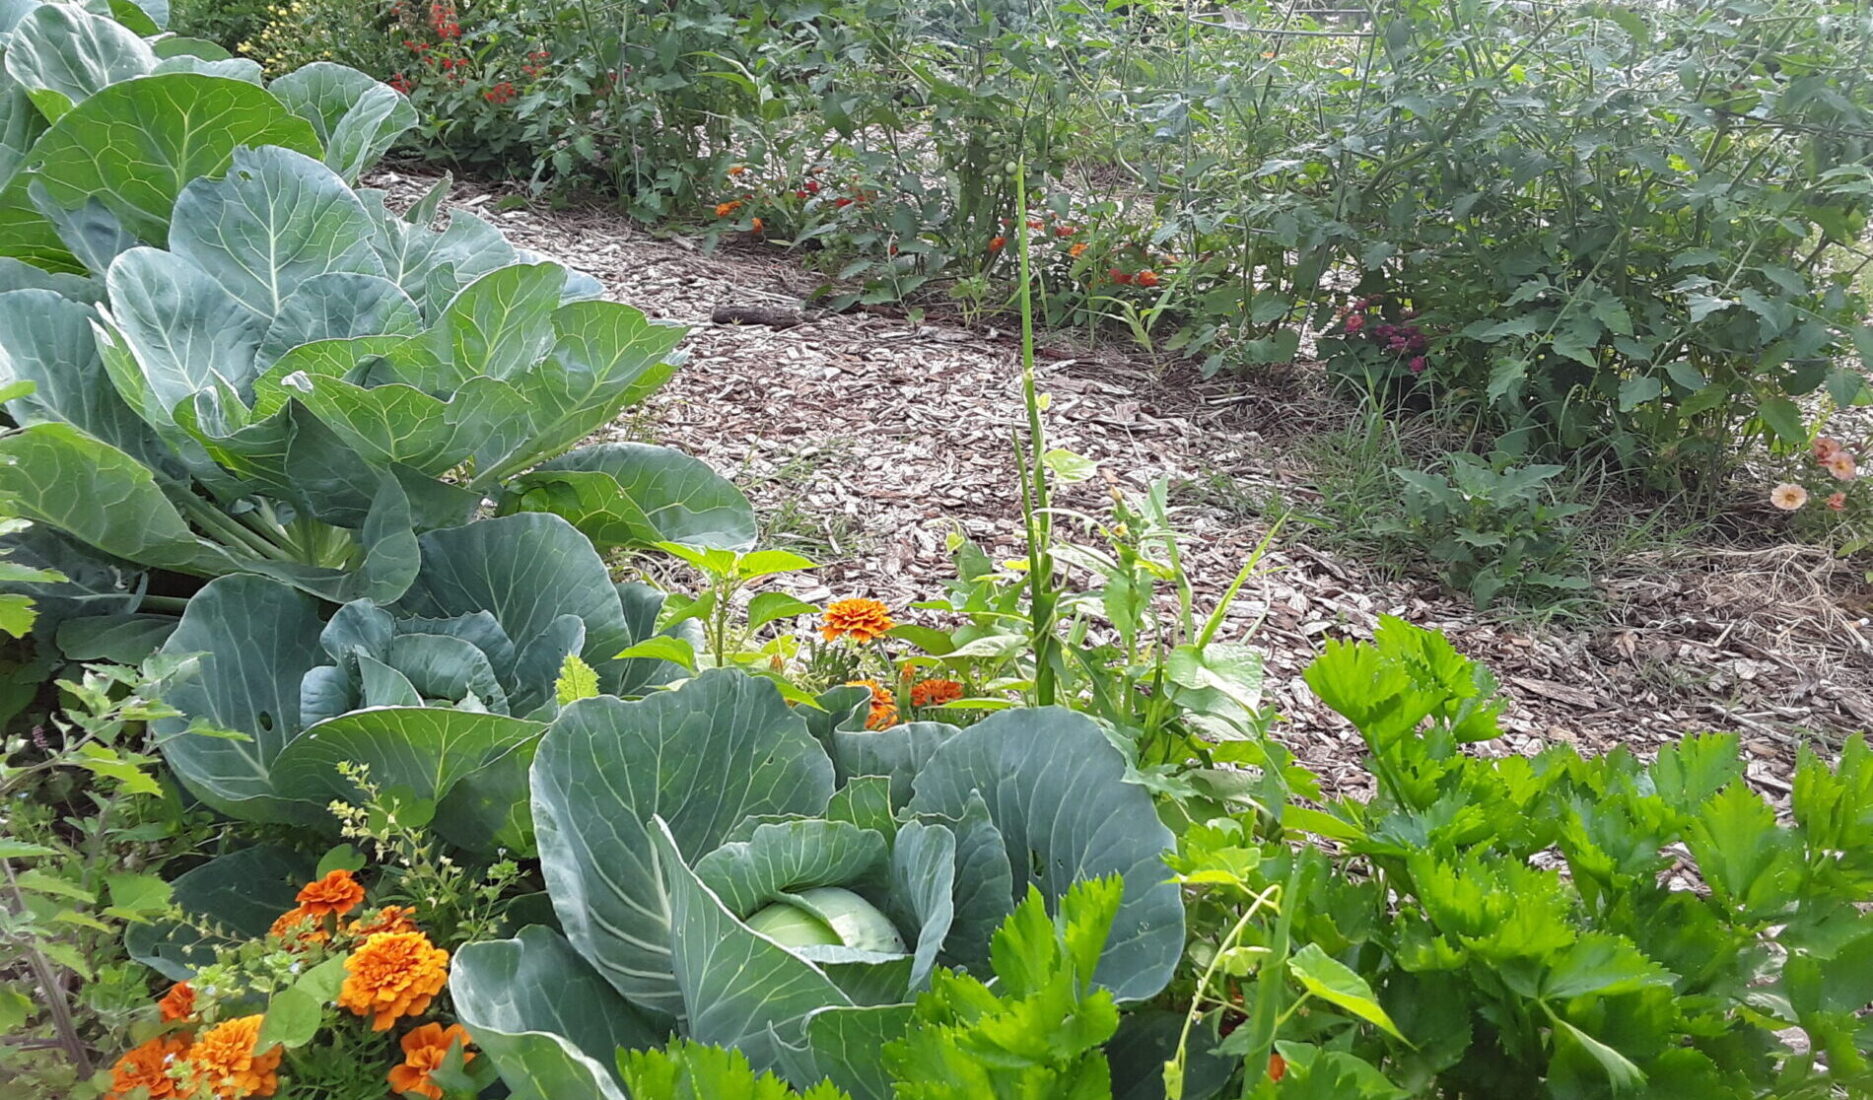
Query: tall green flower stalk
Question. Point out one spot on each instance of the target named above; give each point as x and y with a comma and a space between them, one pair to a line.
1043, 594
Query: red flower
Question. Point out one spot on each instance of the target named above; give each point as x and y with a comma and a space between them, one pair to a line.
1356, 322
996, 244
1147, 277
503, 92
842, 203
812, 187
402, 84
1064, 230
1118, 276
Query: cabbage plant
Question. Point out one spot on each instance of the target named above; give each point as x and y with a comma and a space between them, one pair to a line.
240, 364
442, 693
721, 871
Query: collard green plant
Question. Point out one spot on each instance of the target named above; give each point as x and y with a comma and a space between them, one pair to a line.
724, 872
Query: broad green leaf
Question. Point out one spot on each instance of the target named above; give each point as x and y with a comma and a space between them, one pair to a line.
847, 1047
181, 329
61, 55
400, 424
57, 475
899, 753
275, 220
28, 235
46, 339
923, 873
239, 894
737, 988
20, 126
703, 757
488, 812
338, 306
498, 326
425, 750
1603, 964
789, 856
1055, 789
636, 494
134, 146
134, 897
547, 1020
537, 577
356, 118
1783, 417
257, 639
1338, 984
94, 235
142, 16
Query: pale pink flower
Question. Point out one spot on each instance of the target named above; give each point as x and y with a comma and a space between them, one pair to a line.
1788, 497
1841, 464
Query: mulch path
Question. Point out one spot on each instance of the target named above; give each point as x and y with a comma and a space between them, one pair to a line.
881, 437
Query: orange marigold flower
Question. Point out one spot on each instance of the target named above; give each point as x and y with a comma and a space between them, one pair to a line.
934, 693
859, 619
1842, 465
737, 169
147, 1067
225, 1060
1077, 250
1147, 277
395, 974
1837, 501
883, 704
178, 1003
724, 209
756, 228
996, 244
1825, 448
299, 929
391, 918
1277, 1067
423, 1052
337, 893
1788, 497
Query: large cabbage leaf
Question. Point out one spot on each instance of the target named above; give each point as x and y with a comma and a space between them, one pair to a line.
1055, 789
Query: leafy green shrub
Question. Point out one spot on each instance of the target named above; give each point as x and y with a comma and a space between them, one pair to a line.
1516, 926
1492, 526
231, 24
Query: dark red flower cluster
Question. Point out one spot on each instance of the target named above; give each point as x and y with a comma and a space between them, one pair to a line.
501, 93
443, 21
402, 84
1402, 339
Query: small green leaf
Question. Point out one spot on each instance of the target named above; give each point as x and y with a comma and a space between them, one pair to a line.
664, 648
1784, 418
577, 680
769, 606
762, 563
342, 857
1333, 981
1619, 1069
19, 849
322, 982
292, 1020
1069, 466
135, 895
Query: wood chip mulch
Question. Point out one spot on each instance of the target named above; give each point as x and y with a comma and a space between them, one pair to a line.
870, 439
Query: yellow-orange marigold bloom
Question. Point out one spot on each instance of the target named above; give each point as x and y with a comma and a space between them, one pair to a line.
724, 209
178, 1003
1842, 465
225, 1060
860, 619
391, 918
337, 893
1077, 250
934, 693
423, 1051
298, 929
147, 1067
1788, 497
395, 974
883, 704
755, 226
737, 169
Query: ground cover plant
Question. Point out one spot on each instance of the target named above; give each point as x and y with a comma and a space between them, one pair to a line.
349, 752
